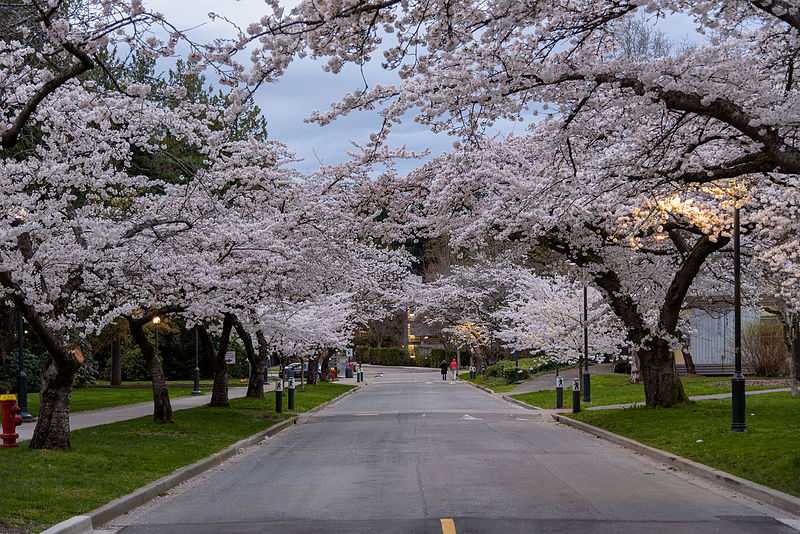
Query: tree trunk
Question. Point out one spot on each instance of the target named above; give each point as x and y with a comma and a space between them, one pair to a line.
162, 407
791, 335
326, 361
636, 377
255, 382
52, 425
219, 391
116, 362
687, 358
311, 378
795, 361
662, 386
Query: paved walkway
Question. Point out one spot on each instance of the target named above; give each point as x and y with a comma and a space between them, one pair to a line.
129, 411
411, 453
105, 416
548, 380
716, 396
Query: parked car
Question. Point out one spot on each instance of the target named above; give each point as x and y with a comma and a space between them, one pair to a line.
293, 370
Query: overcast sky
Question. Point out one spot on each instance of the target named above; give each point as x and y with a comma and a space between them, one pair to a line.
306, 88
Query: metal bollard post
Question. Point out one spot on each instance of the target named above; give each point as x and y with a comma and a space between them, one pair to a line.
587, 386
291, 393
279, 396
559, 392
576, 396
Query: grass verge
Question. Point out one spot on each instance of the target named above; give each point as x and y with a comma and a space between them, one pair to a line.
767, 453
109, 461
616, 389
91, 398
495, 383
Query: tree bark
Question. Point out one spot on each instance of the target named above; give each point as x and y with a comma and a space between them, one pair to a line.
219, 391
116, 362
662, 386
162, 407
255, 382
687, 358
636, 376
311, 378
52, 425
791, 336
326, 361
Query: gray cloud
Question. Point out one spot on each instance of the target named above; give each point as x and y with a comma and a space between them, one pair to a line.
306, 87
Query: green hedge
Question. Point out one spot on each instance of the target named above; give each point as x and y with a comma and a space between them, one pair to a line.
513, 374
400, 356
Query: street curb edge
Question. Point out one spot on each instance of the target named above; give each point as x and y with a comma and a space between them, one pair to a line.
512, 400
751, 489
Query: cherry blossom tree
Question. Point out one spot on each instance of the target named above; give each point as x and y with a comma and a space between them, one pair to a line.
546, 314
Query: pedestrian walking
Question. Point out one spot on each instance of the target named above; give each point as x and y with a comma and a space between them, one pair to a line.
443, 366
453, 369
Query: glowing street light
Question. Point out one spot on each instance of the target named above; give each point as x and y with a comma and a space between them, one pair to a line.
156, 321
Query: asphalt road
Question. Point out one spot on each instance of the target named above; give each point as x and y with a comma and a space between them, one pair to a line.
410, 453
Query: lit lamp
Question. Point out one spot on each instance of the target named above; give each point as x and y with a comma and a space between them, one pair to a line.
156, 321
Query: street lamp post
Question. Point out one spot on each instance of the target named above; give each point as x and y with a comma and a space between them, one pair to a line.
22, 376
156, 322
738, 422
587, 384
196, 391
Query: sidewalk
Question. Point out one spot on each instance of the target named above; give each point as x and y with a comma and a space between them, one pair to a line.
131, 411
547, 381
716, 396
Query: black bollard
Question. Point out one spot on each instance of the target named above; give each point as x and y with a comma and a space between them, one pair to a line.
279, 396
291, 394
587, 386
559, 392
576, 396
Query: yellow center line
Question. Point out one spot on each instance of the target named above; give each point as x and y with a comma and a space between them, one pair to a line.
448, 526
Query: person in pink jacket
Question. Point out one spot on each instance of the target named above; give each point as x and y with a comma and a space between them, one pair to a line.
453, 370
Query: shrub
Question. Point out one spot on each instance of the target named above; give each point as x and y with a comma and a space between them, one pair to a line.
86, 374
513, 374
33, 366
133, 366
763, 349
495, 370
623, 367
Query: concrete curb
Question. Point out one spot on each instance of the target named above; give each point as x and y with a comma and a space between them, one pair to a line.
509, 398
73, 525
756, 491
483, 388
81, 524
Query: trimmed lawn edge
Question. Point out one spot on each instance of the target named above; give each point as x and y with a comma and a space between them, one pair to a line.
122, 505
751, 489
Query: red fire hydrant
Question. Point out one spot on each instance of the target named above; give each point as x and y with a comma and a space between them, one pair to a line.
11, 418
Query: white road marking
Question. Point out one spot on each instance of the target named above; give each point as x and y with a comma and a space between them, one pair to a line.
468, 417
368, 413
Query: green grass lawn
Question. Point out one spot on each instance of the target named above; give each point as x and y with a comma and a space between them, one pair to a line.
109, 461
616, 389
96, 398
495, 383
767, 453
498, 383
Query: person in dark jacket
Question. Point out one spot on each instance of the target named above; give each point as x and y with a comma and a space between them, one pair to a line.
443, 366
